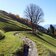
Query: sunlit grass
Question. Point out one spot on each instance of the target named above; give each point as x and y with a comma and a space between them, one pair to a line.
10, 44
43, 47
49, 39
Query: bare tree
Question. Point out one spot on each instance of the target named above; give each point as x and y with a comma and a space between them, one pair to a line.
35, 14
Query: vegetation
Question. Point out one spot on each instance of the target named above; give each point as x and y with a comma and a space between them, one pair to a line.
10, 44
7, 24
35, 14
1, 34
44, 48
52, 29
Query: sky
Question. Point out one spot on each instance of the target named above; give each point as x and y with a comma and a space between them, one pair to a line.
18, 7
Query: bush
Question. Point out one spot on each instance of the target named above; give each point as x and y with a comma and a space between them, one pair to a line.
1, 34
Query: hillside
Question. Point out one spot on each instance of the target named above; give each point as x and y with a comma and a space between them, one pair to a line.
10, 44
8, 24
20, 20
17, 28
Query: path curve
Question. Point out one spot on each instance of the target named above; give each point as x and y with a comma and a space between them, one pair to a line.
32, 46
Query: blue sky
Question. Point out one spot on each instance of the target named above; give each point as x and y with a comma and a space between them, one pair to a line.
18, 7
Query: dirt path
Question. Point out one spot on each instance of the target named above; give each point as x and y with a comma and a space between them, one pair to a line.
32, 46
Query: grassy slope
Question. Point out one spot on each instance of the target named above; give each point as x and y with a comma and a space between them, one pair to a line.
44, 39
10, 44
40, 44
13, 43
13, 23
49, 39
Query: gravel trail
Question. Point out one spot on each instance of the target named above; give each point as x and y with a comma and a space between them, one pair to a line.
32, 46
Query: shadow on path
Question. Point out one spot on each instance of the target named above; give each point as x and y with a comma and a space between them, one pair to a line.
24, 52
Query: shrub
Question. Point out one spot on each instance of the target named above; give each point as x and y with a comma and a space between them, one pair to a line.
1, 34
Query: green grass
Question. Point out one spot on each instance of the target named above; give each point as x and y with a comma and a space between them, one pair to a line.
13, 22
10, 44
42, 46
10, 27
44, 43
49, 39
14, 43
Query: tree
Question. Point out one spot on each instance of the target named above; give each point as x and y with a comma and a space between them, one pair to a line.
48, 30
52, 29
35, 14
